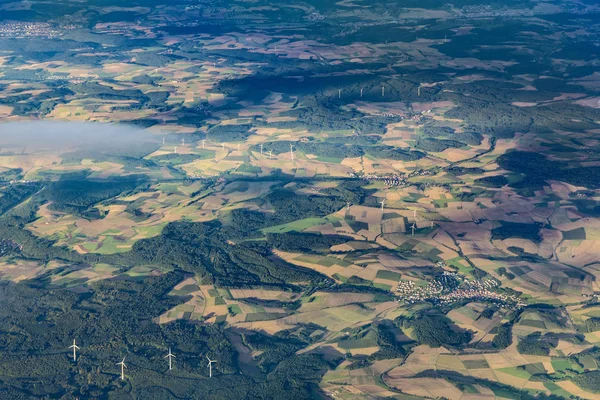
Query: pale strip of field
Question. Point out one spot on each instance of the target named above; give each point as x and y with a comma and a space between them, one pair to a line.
497, 361
29, 163
572, 348
269, 327
20, 270
261, 294
576, 390
327, 300
579, 255
5, 111
426, 387
451, 362
338, 318
96, 273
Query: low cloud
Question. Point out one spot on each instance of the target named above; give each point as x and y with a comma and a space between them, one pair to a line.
63, 137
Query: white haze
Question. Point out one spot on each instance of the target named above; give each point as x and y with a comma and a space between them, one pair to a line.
61, 137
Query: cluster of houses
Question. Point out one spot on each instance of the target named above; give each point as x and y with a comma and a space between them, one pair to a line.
388, 180
451, 287
16, 29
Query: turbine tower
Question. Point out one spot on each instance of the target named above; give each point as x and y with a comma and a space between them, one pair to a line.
123, 366
170, 356
75, 348
210, 363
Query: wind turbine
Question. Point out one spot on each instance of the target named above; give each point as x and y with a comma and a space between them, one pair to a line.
75, 348
419, 90
339, 93
382, 90
261, 148
183, 141
415, 214
210, 363
175, 149
413, 227
223, 146
432, 223
163, 140
292, 151
382, 204
361, 91
203, 143
170, 356
347, 205
238, 147
123, 366
270, 154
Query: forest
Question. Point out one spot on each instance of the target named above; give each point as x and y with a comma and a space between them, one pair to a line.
113, 318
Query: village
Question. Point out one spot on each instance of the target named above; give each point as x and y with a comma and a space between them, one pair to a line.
451, 287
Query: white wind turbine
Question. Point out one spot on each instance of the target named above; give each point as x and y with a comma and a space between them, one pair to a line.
75, 348
210, 363
170, 356
123, 366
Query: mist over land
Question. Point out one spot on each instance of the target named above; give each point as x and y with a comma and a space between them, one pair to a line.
62, 136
